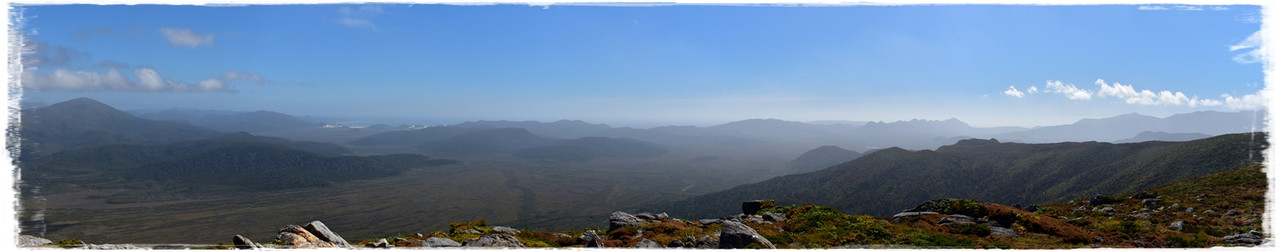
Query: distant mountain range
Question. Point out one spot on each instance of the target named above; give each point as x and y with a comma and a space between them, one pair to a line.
886, 181
588, 148
1163, 136
1130, 125
84, 143
487, 141
85, 122
227, 121
557, 129
821, 158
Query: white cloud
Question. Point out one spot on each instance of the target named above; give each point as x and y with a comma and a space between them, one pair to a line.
1253, 42
149, 80
1012, 91
1070, 90
211, 85
1032, 90
1219, 8
1151, 7
360, 17
1131, 95
186, 37
1249, 101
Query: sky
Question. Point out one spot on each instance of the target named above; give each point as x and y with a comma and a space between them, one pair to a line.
646, 66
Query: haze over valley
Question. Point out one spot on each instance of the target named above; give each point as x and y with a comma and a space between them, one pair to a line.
967, 126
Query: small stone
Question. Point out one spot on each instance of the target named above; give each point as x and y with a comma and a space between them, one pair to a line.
244, 243
591, 238
775, 217
646, 243
1177, 225
1002, 232
1150, 202
494, 240
381, 243
506, 230
437, 242
1231, 212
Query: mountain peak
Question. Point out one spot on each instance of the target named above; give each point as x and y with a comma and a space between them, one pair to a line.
81, 107
81, 102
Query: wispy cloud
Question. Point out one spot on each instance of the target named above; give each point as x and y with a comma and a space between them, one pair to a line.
1070, 90
186, 37
38, 53
1179, 8
112, 80
243, 76
148, 80
1188, 8
106, 75
1253, 47
1145, 97
360, 17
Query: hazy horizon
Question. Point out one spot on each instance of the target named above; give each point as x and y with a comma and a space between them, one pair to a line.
643, 67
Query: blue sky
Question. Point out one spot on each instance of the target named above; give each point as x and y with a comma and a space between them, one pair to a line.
650, 66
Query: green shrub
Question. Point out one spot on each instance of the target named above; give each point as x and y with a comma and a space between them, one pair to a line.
69, 243
923, 239
459, 226
971, 229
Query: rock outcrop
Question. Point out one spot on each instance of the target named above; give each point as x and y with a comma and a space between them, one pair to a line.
737, 235
1253, 237
590, 239
437, 242
754, 206
321, 231
620, 219
27, 241
244, 243
494, 240
313, 235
